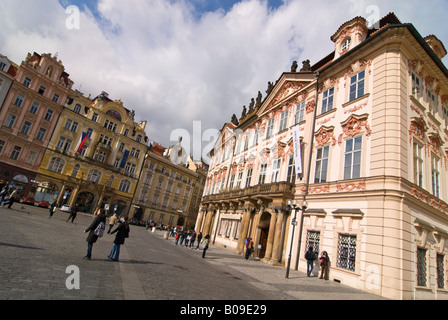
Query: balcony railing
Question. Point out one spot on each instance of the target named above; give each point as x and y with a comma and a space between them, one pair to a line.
270, 189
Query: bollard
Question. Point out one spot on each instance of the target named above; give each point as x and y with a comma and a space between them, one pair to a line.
166, 235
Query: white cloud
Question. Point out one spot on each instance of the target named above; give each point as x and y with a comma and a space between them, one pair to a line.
173, 67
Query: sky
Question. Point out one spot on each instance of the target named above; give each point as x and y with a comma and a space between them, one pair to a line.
189, 65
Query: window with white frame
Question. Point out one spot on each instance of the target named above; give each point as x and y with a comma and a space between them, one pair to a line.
77, 109
19, 100
352, 165
238, 180
232, 180
327, 100
262, 175
270, 128
291, 170
357, 85
56, 165
249, 177
432, 99
15, 153
320, 173
276, 170
416, 87
49, 115
75, 171
435, 176
34, 108
10, 121
41, 134
418, 163
283, 120
94, 176
26, 128
300, 112
255, 141
31, 159
125, 186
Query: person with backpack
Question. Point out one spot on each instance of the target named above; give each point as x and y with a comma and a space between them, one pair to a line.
96, 230
310, 256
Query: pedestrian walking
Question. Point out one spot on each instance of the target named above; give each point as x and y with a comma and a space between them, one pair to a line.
310, 256
52, 209
112, 221
176, 237
3, 193
12, 198
192, 239
199, 240
122, 232
249, 247
187, 239
324, 264
95, 230
73, 213
205, 243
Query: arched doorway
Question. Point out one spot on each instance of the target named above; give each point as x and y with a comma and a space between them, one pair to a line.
85, 202
265, 221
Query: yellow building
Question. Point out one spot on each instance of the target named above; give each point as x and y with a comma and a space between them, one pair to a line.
169, 193
95, 155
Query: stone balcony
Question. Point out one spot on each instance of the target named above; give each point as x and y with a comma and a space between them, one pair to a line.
270, 191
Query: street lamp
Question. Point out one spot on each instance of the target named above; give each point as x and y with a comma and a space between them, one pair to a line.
294, 223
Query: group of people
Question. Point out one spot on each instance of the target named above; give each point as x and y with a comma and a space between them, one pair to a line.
189, 237
324, 263
97, 228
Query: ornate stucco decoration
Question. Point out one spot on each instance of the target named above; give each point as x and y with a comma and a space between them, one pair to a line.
355, 124
324, 135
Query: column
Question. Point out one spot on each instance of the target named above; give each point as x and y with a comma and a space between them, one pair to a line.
244, 230
277, 237
270, 243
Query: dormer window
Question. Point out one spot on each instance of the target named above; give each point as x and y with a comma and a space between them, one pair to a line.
346, 44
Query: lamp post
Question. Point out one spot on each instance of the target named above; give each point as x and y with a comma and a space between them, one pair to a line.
294, 223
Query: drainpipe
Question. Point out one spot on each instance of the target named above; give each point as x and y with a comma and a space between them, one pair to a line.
309, 169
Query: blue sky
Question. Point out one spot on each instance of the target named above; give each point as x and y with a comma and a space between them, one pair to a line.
179, 61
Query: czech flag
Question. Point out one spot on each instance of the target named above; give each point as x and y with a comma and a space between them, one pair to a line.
81, 142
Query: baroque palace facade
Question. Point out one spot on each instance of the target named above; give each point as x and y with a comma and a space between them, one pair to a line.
57, 144
373, 157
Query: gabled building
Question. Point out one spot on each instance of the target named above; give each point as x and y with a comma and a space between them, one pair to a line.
95, 155
29, 115
169, 192
367, 127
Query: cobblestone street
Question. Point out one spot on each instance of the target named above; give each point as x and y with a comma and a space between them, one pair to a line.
36, 252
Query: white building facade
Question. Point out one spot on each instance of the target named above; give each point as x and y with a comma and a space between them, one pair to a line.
372, 117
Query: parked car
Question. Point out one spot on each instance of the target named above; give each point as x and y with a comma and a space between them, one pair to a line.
28, 200
65, 208
44, 204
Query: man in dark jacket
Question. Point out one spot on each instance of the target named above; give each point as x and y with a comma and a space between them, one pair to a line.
73, 212
95, 231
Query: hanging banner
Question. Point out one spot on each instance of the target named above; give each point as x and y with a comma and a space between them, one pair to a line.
297, 150
125, 158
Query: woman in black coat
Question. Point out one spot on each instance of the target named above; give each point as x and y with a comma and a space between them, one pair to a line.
92, 237
122, 233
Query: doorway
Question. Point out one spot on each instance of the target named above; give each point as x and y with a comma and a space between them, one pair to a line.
265, 221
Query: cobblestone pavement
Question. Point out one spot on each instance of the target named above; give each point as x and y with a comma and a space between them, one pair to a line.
35, 252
